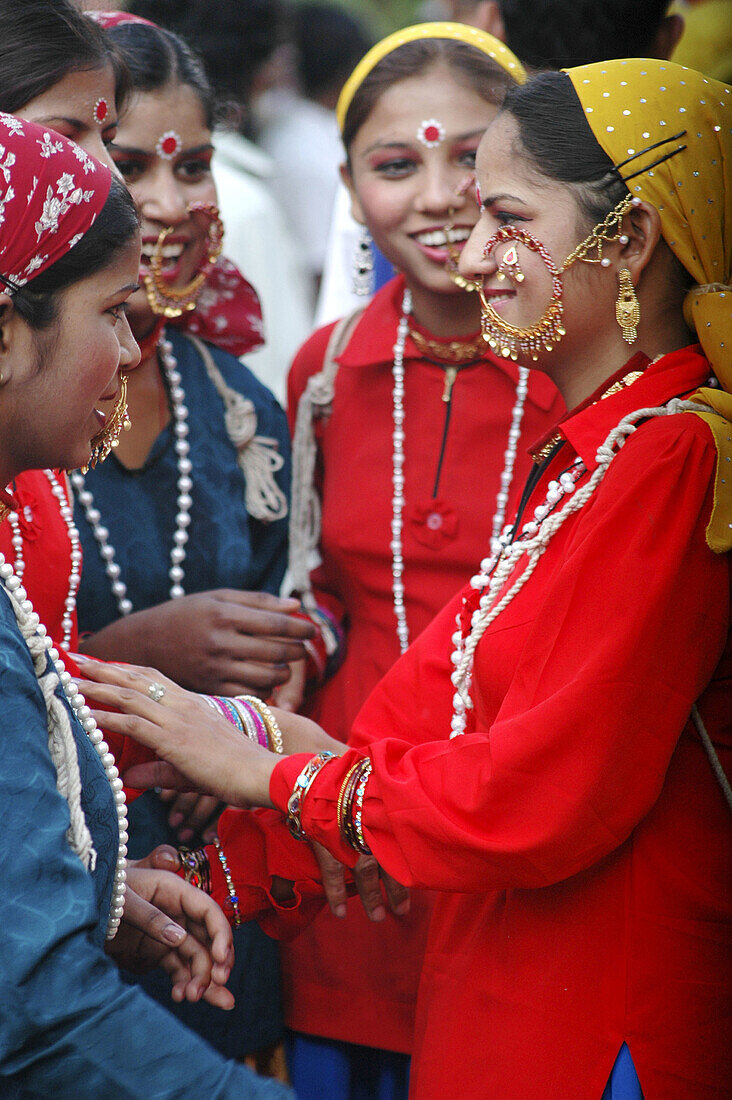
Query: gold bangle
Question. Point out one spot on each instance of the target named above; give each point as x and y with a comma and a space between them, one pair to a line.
274, 733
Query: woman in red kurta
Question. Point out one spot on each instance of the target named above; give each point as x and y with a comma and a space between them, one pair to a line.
575, 822
458, 412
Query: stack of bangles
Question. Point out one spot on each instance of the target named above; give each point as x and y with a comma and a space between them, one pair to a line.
252, 717
197, 870
350, 800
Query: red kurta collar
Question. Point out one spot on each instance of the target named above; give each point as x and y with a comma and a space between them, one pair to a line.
373, 339
674, 375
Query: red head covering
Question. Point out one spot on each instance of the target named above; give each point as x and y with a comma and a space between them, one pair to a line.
50, 194
228, 312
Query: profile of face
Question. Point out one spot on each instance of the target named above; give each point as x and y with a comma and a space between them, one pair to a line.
81, 106
514, 193
407, 162
163, 152
56, 379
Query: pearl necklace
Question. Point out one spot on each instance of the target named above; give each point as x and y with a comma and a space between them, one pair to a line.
398, 500
24, 610
67, 514
495, 571
184, 502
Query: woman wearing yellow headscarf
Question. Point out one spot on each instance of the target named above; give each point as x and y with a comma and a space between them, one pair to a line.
555, 766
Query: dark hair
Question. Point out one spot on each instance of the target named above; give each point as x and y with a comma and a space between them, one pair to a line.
558, 141
557, 34
468, 65
234, 37
115, 225
156, 57
41, 41
329, 43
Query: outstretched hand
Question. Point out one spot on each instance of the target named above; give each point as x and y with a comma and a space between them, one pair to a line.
197, 749
223, 642
171, 924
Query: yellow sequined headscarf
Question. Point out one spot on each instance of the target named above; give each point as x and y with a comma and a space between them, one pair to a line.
457, 32
631, 106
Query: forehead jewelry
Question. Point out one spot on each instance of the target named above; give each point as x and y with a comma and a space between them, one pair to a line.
169, 301
509, 340
101, 110
431, 133
168, 144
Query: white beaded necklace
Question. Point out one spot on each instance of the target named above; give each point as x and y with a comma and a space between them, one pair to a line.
67, 514
63, 745
184, 486
535, 536
398, 501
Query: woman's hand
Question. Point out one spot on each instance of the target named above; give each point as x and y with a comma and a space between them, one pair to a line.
289, 696
193, 815
223, 642
197, 748
171, 924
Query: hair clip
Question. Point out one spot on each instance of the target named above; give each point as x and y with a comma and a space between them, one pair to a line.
649, 149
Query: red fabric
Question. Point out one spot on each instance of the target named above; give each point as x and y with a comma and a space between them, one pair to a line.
50, 193
337, 971
46, 553
46, 549
227, 313
578, 835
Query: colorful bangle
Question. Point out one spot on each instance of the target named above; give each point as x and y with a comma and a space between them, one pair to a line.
350, 806
196, 868
233, 896
254, 727
302, 786
274, 733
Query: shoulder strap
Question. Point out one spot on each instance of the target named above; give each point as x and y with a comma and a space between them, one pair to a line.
316, 402
258, 456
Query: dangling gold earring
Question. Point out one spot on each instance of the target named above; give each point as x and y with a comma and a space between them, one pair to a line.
108, 437
627, 307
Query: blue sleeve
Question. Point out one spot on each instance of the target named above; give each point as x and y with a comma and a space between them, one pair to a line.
68, 1024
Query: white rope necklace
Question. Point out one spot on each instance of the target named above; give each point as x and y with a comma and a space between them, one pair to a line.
50, 671
184, 500
67, 514
496, 570
398, 500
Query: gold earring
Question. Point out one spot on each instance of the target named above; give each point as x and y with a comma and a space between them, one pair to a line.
453, 255
627, 307
108, 438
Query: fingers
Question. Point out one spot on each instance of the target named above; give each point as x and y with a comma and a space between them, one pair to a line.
366, 877
264, 614
333, 877
191, 813
396, 894
156, 773
141, 914
290, 695
162, 858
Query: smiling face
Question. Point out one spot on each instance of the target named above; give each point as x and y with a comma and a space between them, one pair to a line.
81, 107
407, 162
57, 378
513, 193
163, 151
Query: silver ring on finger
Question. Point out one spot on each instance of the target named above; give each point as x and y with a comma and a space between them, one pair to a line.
156, 691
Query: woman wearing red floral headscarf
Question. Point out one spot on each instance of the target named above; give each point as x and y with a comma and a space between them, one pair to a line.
69, 251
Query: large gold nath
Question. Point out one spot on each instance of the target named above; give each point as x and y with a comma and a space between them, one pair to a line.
108, 437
